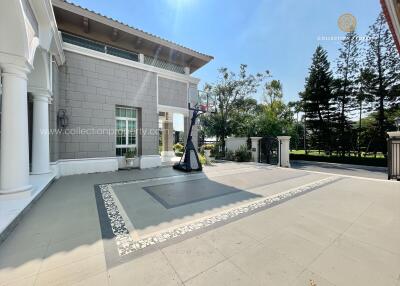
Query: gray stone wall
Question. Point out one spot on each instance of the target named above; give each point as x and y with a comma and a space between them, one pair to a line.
172, 92
53, 107
89, 90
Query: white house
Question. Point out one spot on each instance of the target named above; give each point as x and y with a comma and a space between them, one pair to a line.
70, 77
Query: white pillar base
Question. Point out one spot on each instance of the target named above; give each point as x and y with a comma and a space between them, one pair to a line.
22, 189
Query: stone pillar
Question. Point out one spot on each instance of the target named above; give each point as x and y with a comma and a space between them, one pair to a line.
186, 70
14, 156
168, 136
255, 148
284, 148
393, 158
40, 133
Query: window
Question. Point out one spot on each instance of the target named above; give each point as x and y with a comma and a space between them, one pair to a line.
126, 130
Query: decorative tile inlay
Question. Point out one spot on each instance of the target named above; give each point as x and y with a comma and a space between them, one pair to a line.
126, 244
122, 237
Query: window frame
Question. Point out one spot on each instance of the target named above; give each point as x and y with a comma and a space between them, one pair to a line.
127, 120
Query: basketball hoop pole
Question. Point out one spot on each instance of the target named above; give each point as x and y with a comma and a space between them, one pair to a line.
190, 157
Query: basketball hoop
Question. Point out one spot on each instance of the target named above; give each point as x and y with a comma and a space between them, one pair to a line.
203, 103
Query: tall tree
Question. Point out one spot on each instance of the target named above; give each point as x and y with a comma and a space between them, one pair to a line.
317, 100
362, 96
273, 91
228, 90
297, 108
275, 118
347, 74
383, 67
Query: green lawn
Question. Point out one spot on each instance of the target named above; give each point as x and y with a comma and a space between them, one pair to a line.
313, 155
322, 153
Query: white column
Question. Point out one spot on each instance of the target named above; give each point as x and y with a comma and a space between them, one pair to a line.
168, 136
141, 58
14, 156
255, 148
284, 147
40, 133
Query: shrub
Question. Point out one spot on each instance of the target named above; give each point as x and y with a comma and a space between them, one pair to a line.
215, 152
178, 148
229, 155
208, 146
130, 153
202, 159
243, 154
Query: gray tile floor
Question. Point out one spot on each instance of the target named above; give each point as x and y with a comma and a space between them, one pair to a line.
343, 233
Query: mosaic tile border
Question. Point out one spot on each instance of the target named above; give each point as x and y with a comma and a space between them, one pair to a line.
127, 245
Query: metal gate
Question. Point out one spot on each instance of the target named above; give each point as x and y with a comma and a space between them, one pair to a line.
394, 158
269, 150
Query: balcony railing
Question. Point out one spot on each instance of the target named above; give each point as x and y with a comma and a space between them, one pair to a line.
163, 64
103, 48
96, 46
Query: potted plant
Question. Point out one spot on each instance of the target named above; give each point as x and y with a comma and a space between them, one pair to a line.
130, 157
207, 152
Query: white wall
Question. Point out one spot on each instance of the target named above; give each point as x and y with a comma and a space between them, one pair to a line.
233, 143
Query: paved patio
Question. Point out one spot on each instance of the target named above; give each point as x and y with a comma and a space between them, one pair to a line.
234, 224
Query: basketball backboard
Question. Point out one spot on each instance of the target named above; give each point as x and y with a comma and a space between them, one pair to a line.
204, 101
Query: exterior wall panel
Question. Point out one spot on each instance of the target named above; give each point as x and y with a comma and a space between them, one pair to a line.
172, 92
89, 91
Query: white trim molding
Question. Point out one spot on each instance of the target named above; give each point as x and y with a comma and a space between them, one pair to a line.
50, 37
150, 161
173, 109
110, 58
68, 167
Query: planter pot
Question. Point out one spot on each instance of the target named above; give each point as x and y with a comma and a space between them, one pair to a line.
207, 154
130, 162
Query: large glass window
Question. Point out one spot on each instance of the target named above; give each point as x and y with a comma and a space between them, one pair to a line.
126, 130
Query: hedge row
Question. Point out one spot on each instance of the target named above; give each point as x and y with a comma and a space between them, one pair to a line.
367, 161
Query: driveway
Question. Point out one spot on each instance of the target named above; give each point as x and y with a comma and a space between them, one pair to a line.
233, 224
343, 169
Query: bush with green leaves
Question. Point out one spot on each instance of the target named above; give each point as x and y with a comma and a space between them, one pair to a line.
130, 153
178, 149
229, 155
215, 152
242, 154
208, 146
202, 159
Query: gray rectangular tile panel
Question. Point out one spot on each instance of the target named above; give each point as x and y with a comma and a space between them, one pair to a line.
183, 193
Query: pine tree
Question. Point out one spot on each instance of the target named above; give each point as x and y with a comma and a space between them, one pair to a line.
361, 98
317, 100
347, 74
383, 67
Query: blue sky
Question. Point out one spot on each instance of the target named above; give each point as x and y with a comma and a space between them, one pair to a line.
275, 35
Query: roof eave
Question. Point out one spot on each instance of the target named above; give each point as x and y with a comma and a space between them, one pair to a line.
392, 19
123, 27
